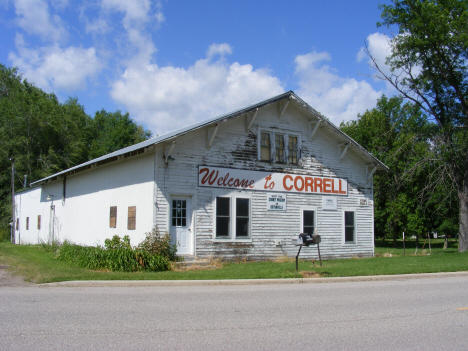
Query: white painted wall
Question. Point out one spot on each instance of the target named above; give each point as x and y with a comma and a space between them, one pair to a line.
83, 216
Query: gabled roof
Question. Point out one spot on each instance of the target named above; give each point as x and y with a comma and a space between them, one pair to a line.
145, 145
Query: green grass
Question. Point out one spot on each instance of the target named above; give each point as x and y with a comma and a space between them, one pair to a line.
38, 263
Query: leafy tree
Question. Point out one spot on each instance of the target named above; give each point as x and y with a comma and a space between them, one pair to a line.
398, 135
114, 131
429, 67
44, 136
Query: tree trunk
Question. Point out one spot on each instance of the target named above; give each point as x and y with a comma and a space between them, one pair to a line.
463, 231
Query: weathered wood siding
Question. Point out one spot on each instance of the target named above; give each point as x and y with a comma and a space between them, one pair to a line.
233, 147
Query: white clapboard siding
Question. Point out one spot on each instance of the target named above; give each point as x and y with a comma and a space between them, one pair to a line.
233, 147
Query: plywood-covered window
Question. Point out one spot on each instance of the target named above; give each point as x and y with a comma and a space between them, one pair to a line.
279, 148
38, 221
17, 223
131, 222
292, 150
113, 217
27, 223
265, 152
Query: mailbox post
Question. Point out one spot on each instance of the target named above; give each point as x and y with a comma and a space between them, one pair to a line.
305, 239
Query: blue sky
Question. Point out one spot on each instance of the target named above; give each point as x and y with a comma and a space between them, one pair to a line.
172, 63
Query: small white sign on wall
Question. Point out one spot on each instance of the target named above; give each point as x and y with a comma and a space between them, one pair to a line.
329, 203
276, 202
363, 202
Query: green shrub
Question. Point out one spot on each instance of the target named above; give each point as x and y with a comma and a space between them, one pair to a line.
118, 255
4, 234
157, 244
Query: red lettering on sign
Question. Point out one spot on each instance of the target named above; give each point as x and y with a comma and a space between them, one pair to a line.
251, 184
309, 184
225, 179
318, 184
342, 191
299, 188
326, 185
210, 177
333, 187
288, 188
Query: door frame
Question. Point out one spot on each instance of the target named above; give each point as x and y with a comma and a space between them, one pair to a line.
192, 222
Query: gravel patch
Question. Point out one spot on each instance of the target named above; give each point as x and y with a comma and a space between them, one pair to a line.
6, 279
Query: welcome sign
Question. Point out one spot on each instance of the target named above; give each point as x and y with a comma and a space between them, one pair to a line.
216, 177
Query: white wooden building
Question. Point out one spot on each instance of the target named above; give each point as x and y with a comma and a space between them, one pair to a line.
239, 185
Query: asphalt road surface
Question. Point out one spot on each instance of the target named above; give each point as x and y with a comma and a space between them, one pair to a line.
421, 314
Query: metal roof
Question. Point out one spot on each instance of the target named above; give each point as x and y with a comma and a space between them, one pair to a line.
140, 147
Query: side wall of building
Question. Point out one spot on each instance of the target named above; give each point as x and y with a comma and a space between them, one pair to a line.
80, 210
271, 232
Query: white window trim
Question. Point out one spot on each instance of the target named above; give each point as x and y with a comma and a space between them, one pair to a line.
286, 135
232, 209
343, 237
308, 208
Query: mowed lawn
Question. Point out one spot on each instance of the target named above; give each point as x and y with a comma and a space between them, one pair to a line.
38, 263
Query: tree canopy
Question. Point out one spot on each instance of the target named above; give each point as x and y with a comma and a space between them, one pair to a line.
44, 136
429, 67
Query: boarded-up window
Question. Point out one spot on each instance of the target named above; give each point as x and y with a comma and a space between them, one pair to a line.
279, 148
265, 147
292, 159
113, 217
17, 223
131, 217
27, 223
39, 222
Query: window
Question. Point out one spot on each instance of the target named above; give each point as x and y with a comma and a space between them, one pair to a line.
179, 213
349, 226
239, 210
292, 150
242, 217
279, 148
223, 218
265, 154
17, 223
113, 217
308, 222
27, 223
38, 221
131, 222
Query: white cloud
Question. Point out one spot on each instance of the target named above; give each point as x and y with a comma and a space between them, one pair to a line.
166, 98
339, 99
52, 68
34, 18
378, 45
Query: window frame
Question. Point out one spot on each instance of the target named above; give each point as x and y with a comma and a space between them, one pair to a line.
273, 149
354, 241
232, 235
308, 208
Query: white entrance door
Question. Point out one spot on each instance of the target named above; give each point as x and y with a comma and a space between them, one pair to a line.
181, 226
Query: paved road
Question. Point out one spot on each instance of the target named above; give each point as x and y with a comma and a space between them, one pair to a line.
421, 314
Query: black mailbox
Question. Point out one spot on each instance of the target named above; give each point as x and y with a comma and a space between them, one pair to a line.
305, 239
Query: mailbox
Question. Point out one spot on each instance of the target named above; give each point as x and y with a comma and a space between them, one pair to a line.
307, 239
